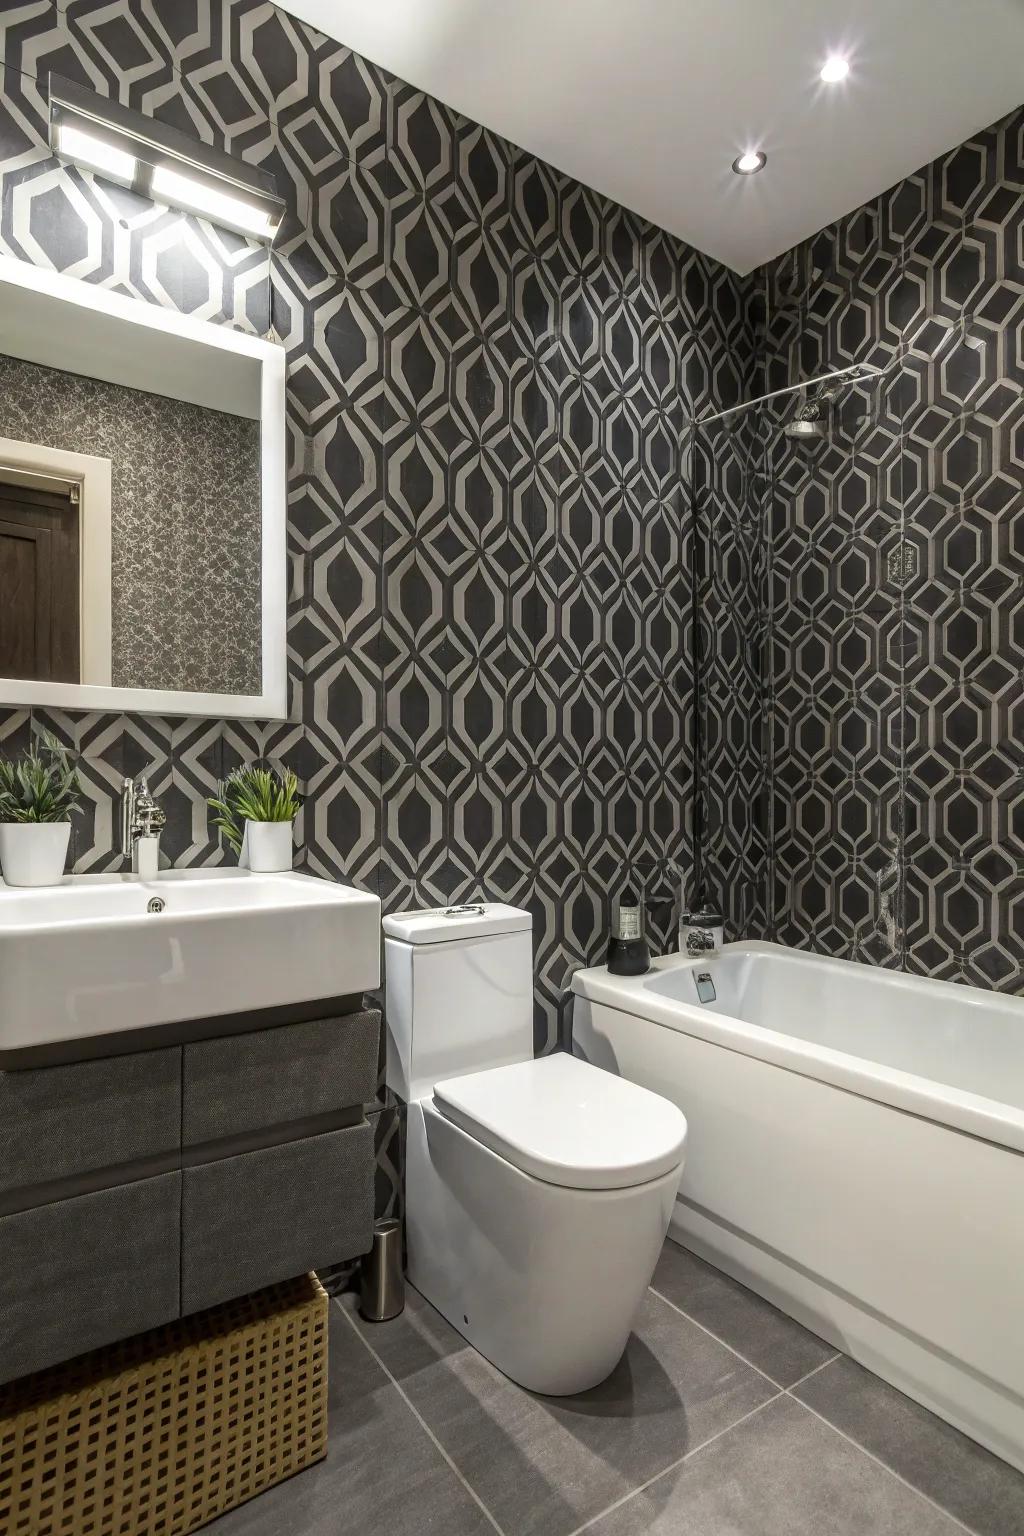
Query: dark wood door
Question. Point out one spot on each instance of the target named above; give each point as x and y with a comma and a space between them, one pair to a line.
39, 585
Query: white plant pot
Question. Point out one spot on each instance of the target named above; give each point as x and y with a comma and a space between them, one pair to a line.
34, 852
266, 847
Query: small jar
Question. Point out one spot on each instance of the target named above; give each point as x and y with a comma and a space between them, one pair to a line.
700, 933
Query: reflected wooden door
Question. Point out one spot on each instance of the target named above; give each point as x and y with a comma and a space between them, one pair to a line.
39, 585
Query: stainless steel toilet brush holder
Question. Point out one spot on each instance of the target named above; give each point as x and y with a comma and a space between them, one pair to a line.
381, 1281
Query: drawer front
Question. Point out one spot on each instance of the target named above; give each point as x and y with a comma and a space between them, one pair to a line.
80, 1273
243, 1083
63, 1121
269, 1215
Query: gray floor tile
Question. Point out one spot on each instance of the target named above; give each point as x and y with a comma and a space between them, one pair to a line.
544, 1465
782, 1473
382, 1473
777, 1345
978, 1488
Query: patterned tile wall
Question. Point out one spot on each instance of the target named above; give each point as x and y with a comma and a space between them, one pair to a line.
490, 370
887, 609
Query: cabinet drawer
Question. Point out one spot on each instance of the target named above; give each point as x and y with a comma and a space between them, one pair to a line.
80, 1273
264, 1216
63, 1121
270, 1077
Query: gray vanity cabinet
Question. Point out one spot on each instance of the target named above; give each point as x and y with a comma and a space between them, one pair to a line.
78, 1273
143, 1187
270, 1214
62, 1126
240, 1084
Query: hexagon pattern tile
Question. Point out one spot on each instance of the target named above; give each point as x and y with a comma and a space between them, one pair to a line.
501, 599
489, 373
862, 603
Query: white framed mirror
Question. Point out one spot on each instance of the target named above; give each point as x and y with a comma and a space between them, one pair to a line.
142, 506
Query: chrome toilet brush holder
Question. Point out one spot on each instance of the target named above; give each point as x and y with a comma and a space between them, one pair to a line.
381, 1279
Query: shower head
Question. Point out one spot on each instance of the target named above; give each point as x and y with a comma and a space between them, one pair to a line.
812, 419
803, 426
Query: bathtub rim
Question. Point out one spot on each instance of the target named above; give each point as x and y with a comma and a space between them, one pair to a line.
970, 1113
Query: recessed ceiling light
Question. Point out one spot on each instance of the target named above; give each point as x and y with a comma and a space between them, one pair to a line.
746, 165
835, 68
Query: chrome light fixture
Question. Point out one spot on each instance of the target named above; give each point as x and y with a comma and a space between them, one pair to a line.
160, 162
749, 163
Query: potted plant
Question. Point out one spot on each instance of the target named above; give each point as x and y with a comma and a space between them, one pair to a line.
255, 811
39, 793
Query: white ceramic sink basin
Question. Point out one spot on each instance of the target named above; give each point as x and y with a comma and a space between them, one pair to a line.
87, 957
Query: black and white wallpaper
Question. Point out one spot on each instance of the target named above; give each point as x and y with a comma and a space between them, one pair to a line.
862, 602
490, 373
530, 605
185, 573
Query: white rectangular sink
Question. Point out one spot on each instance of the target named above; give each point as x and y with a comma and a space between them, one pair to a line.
95, 956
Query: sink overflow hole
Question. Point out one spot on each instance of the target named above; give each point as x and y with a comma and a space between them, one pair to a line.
156, 904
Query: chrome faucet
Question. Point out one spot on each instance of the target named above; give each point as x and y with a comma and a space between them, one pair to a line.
142, 821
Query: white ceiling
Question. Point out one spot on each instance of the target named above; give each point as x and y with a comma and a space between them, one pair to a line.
649, 101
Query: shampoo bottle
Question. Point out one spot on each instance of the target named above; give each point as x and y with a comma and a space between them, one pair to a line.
628, 954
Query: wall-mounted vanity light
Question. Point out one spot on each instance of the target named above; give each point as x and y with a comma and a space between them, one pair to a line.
161, 162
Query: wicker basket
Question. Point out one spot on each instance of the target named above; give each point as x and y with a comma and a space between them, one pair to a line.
160, 1434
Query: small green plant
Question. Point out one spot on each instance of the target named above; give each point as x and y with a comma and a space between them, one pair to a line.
254, 794
41, 785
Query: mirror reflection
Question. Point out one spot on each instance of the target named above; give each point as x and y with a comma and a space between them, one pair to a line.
130, 506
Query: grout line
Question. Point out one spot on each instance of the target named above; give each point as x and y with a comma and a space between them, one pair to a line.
789, 1392
885, 1467
477, 1500
675, 1465
830, 1361
724, 1344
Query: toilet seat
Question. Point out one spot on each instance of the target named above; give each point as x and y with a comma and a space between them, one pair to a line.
567, 1123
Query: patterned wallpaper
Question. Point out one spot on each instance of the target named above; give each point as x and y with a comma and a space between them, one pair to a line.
492, 648
185, 523
490, 372
863, 603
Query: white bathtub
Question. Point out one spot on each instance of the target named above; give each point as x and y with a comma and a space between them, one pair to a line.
856, 1155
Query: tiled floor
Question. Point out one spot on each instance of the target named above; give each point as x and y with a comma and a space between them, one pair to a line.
724, 1418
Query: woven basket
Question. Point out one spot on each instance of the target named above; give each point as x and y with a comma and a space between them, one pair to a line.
161, 1433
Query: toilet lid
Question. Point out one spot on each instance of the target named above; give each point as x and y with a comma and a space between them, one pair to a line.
568, 1123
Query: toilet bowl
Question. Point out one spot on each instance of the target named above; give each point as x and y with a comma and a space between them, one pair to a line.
538, 1192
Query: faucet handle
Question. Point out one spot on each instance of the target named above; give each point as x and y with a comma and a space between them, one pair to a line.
140, 815
127, 816
149, 819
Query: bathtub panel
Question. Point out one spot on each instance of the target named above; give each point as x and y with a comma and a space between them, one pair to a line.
879, 1208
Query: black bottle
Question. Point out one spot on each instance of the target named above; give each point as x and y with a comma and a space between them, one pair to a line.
628, 954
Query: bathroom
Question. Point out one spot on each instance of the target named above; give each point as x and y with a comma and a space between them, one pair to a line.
621, 435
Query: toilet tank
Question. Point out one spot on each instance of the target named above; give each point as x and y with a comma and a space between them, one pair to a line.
459, 993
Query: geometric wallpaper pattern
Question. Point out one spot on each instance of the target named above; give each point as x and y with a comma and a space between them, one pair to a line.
501, 601
862, 633
490, 373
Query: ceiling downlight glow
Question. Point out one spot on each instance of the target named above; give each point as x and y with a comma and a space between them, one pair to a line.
750, 163
834, 69
95, 154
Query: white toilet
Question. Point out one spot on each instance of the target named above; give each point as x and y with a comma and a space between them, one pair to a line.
538, 1193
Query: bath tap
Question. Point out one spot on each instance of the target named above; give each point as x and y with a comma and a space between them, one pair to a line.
705, 987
